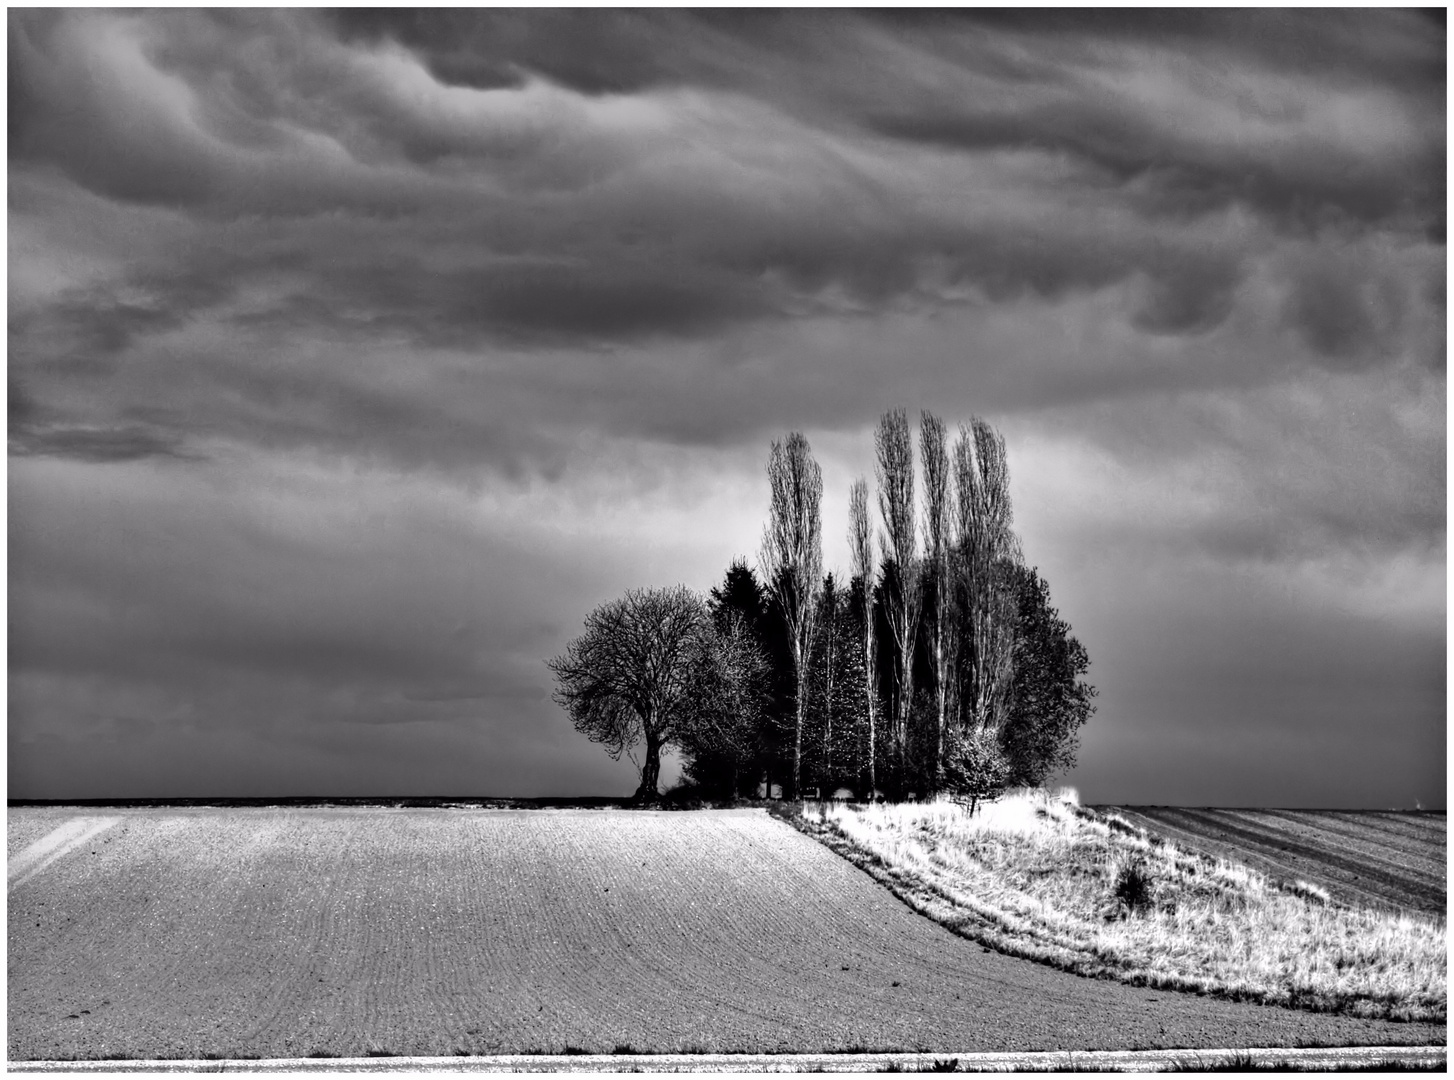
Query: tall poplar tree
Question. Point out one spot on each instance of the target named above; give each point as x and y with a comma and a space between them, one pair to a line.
937, 524
792, 560
860, 547
988, 553
895, 468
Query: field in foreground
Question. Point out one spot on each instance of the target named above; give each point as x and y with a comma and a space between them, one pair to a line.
1387, 859
281, 933
1089, 892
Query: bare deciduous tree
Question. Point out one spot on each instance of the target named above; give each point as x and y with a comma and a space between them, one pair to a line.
895, 467
792, 559
634, 675
937, 523
860, 546
987, 549
732, 699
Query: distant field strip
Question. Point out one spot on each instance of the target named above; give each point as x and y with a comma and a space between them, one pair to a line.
25, 864
289, 933
1385, 859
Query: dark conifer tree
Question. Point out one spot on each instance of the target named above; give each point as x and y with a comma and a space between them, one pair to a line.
837, 708
741, 592
887, 766
860, 736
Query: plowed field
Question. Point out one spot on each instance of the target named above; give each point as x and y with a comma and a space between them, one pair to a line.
1391, 860
278, 933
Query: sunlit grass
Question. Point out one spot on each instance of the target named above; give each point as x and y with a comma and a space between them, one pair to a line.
1038, 876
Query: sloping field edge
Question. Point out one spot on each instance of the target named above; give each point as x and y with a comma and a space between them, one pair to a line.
1310, 1058
985, 928
1264, 848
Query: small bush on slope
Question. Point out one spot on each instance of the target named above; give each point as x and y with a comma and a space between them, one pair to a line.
1041, 878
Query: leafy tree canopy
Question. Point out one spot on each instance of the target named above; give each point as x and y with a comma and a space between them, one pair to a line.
1050, 703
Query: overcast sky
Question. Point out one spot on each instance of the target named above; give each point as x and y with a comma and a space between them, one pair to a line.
353, 358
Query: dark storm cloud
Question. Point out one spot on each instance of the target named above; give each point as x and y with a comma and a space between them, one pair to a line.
1092, 97
98, 445
595, 52
89, 327
731, 179
546, 304
577, 231
1065, 64
1179, 174
1191, 297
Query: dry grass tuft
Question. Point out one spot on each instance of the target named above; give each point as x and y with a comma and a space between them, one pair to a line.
1037, 876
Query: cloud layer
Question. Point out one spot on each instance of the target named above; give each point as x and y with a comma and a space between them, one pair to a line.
557, 264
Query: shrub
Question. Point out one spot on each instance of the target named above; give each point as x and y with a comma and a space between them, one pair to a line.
1133, 887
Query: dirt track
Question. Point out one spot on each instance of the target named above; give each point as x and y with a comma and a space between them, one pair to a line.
289, 932
1386, 859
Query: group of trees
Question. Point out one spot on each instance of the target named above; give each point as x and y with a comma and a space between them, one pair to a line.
938, 665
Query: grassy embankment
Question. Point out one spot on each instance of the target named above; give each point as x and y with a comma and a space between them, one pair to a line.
1037, 876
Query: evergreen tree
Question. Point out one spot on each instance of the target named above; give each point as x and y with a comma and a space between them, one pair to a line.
742, 595
837, 705
741, 592
865, 705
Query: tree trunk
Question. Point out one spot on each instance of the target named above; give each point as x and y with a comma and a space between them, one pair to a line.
868, 679
940, 678
901, 736
827, 777
798, 722
650, 771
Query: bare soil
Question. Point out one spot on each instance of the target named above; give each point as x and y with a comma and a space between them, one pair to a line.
296, 932
1393, 859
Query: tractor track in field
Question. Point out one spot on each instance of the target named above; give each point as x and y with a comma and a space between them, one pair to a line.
281, 933
1388, 860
